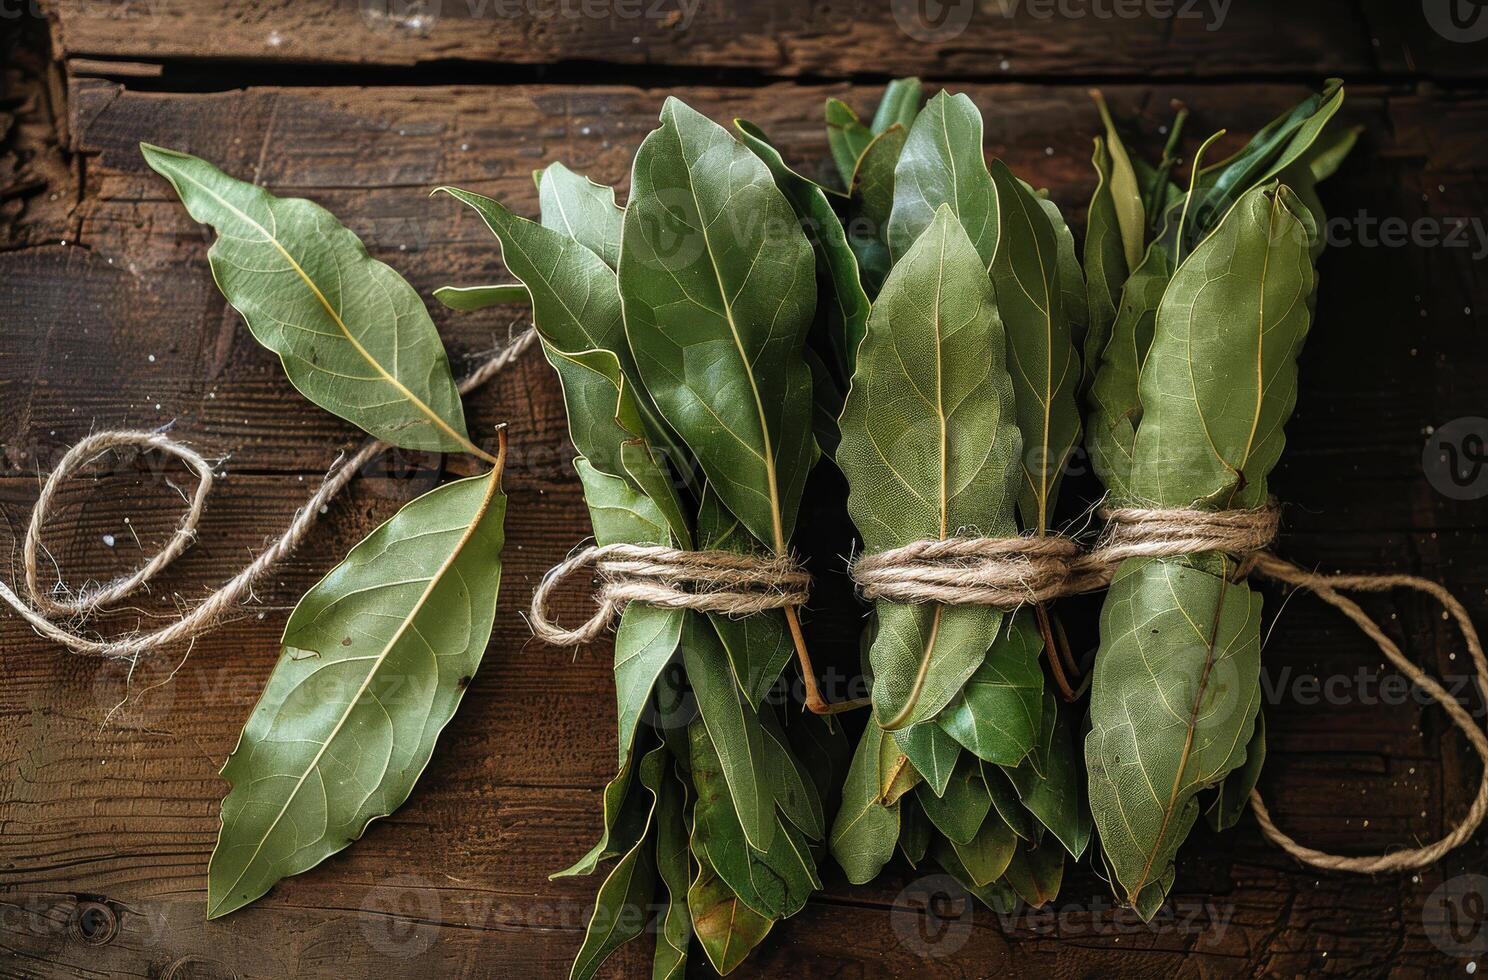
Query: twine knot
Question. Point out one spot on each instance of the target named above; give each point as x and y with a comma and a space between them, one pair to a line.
726, 582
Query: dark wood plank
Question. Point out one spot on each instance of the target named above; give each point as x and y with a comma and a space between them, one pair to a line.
1151, 38
123, 806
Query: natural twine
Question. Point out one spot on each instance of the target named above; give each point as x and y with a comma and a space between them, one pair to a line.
724, 582
1008, 572
45, 607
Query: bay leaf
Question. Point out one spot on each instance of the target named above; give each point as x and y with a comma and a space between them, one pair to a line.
626, 813
1125, 192
898, 106
733, 729
1036, 873
795, 793
846, 138
582, 210
622, 908
928, 448
964, 807
468, 298
1005, 801
674, 868
1045, 369
776, 881
865, 830
997, 715
726, 927
915, 831
719, 291
838, 285
353, 336
1230, 803
987, 855
1106, 270
942, 164
1048, 781
376, 658
931, 751
1214, 401
1172, 706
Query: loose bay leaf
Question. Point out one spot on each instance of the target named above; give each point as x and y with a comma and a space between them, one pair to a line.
719, 290
352, 335
376, 658
928, 447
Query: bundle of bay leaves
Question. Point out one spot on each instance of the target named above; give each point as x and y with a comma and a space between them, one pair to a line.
1200, 299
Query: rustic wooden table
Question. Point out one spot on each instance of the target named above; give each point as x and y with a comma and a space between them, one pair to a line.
108, 317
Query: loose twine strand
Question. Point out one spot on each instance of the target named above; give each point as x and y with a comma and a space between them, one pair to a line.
58, 614
1008, 572
724, 582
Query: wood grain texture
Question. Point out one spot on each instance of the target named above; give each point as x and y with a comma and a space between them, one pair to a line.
834, 38
122, 326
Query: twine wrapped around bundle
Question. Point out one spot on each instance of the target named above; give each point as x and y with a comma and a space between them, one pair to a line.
1009, 572
726, 582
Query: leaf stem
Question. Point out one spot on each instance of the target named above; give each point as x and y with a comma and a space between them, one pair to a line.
1052, 653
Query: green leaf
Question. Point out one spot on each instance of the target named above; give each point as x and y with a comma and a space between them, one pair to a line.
795, 793
964, 807
928, 448
1036, 873
622, 907
726, 927
942, 164
1106, 270
986, 856
1048, 782
1045, 370
626, 814
899, 105
1215, 400
865, 830
1125, 193
873, 181
774, 882
376, 657
846, 138
838, 285
719, 291
1172, 706
582, 210
1229, 804
914, 832
997, 716
468, 298
674, 867
353, 336
931, 751
733, 730
644, 644
1005, 801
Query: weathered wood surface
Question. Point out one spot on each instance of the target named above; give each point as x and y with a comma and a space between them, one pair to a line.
121, 325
